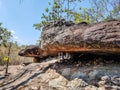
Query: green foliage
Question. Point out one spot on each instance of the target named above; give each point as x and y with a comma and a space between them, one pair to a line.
82, 16
5, 35
59, 9
104, 10
100, 10
51, 14
5, 59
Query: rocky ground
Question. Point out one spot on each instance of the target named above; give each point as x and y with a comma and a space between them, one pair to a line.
53, 75
86, 71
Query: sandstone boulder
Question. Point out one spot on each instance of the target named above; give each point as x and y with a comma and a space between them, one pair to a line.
103, 36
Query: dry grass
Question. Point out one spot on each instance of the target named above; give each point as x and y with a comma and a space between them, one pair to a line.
14, 59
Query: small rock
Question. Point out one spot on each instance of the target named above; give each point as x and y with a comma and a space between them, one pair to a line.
60, 82
96, 74
101, 83
105, 78
90, 87
34, 88
77, 83
66, 72
115, 80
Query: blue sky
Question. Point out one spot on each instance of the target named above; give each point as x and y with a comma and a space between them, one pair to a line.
20, 17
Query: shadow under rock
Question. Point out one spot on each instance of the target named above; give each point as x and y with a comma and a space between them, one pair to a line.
88, 66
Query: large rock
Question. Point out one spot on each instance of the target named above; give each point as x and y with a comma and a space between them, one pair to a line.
100, 35
73, 39
64, 34
107, 33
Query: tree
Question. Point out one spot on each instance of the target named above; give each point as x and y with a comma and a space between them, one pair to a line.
104, 10
100, 10
59, 9
5, 35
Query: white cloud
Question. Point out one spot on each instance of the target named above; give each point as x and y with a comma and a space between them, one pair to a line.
15, 37
12, 31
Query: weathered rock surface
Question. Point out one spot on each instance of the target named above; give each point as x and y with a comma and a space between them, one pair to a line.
105, 32
52, 75
104, 35
64, 34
